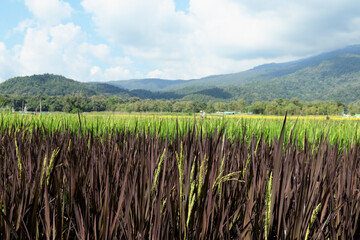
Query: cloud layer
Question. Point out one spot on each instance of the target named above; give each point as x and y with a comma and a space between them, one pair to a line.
218, 36
49, 11
140, 38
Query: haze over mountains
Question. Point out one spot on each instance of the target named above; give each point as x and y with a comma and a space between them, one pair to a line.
330, 76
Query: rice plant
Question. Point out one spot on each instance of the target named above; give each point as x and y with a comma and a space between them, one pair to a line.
177, 179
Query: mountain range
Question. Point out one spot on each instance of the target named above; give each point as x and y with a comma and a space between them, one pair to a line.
329, 76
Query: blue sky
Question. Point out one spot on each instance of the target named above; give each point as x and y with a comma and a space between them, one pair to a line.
103, 40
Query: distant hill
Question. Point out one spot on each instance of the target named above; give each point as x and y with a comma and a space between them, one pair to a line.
150, 84
337, 78
329, 76
107, 89
53, 85
265, 72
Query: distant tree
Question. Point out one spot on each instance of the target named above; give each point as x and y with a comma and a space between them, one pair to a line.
188, 107
292, 109
56, 104
76, 103
198, 106
4, 100
210, 107
220, 106
354, 108
258, 107
178, 107
113, 102
165, 106
310, 110
272, 108
97, 103
241, 105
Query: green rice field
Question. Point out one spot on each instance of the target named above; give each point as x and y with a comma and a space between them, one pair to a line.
343, 131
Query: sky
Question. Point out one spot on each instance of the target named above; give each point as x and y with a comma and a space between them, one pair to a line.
104, 40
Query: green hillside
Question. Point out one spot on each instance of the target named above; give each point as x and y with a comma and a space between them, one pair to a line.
333, 76
107, 89
150, 84
55, 85
329, 76
335, 79
261, 73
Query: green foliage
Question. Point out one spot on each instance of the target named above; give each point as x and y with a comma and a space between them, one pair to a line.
55, 85
354, 108
328, 77
82, 103
268, 205
258, 107
334, 79
150, 84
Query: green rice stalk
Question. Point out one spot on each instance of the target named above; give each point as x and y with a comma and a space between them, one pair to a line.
18, 159
51, 164
203, 170
43, 172
47, 170
268, 206
246, 165
69, 145
221, 172
157, 171
313, 216
226, 178
180, 162
192, 194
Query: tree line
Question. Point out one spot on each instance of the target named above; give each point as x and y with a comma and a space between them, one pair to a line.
82, 103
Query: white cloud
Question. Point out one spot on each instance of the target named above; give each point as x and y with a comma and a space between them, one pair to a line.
52, 50
213, 37
23, 25
110, 74
155, 74
51, 47
100, 51
49, 11
2, 51
63, 49
219, 36
116, 73
7, 66
138, 23
95, 74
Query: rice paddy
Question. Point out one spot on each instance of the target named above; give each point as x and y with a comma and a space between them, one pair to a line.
66, 176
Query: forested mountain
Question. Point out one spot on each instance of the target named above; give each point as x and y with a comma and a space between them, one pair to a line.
261, 73
337, 78
54, 85
330, 76
150, 84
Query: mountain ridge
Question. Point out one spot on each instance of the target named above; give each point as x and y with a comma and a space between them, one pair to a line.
54, 85
328, 76
259, 73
